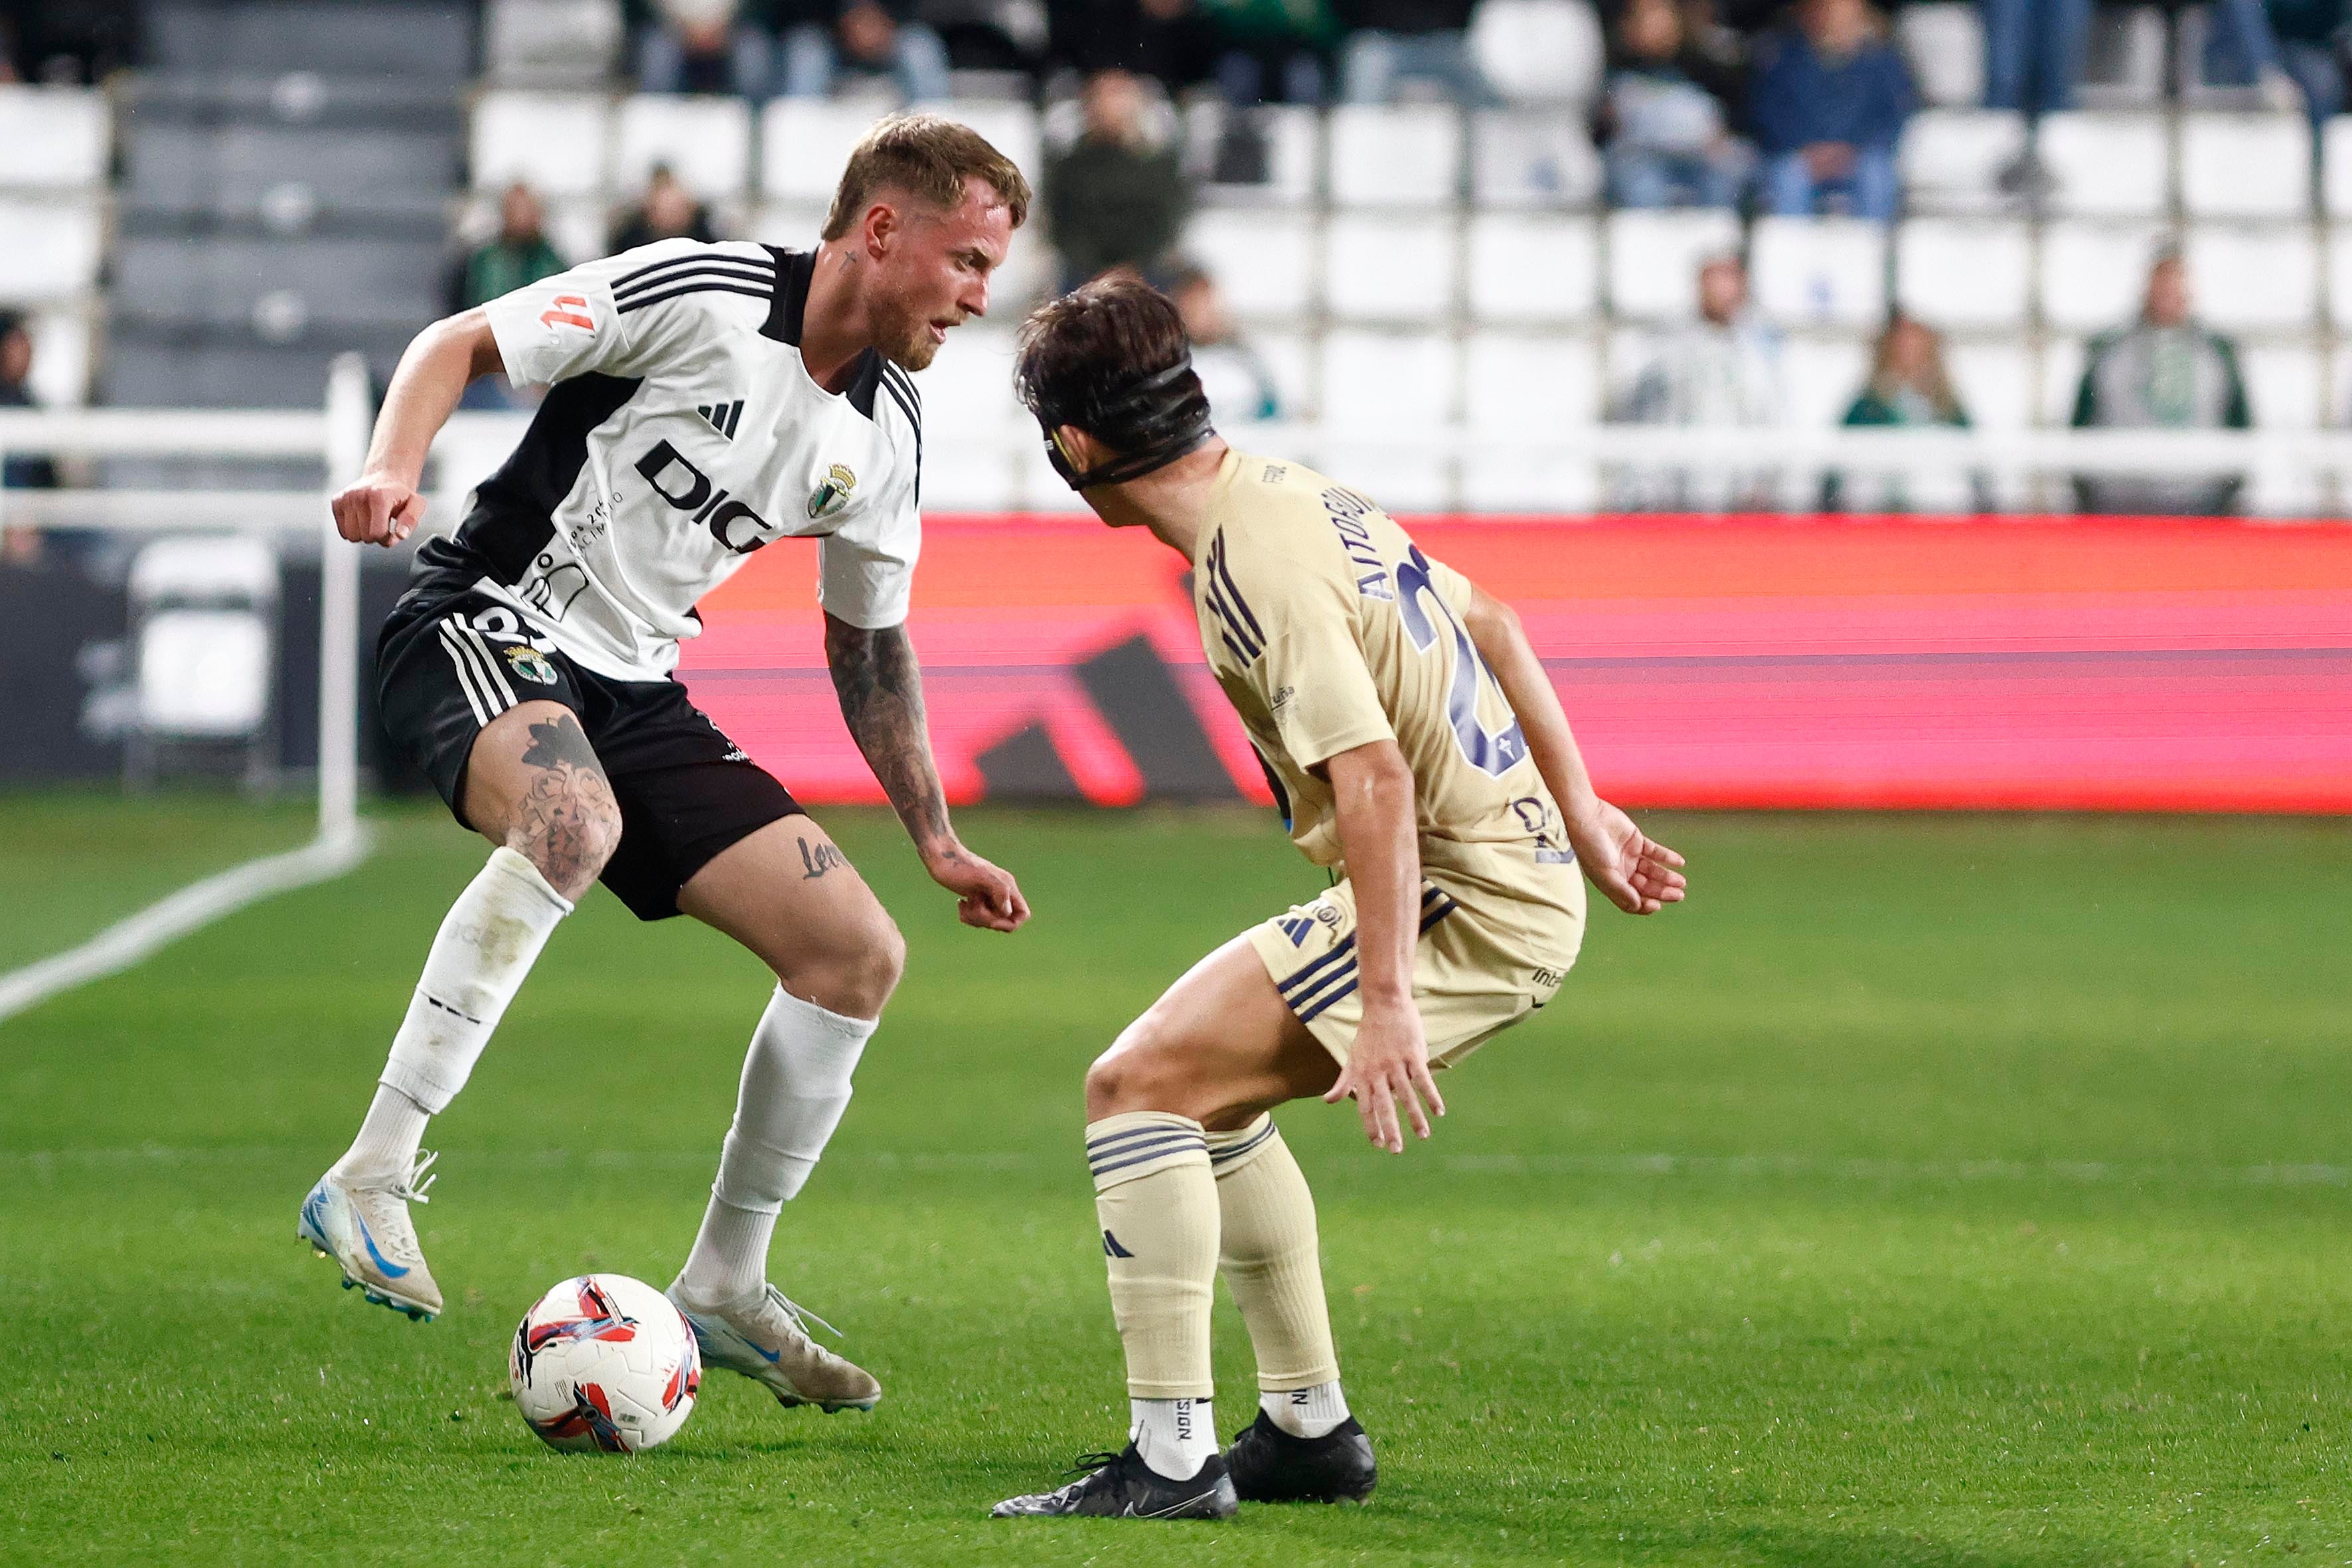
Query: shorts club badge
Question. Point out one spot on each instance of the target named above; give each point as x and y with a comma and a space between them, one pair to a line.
531, 664
834, 493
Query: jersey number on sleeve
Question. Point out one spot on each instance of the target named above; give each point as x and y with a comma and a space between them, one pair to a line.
1497, 752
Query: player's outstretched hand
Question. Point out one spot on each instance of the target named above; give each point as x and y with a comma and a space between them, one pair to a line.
1389, 1068
377, 510
986, 895
1640, 875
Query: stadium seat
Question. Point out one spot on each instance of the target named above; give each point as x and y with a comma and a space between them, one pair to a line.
551, 42
2093, 275
552, 141
1962, 273
1389, 268
2060, 374
1548, 482
2286, 386
1011, 128
202, 612
806, 141
1945, 45
1276, 157
2339, 280
2106, 165
1994, 382
1530, 268
706, 141
1538, 51
2261, 278
52, 251
1386, 382
280, 288
1532, 158
56, 138
1653, 259
2245, 166
1264, 262
1951, 159
1822, 375
379, 38
2336, 168
2124, 66
969, 387
1530, 384
1405, 156
61, 358
1824, 272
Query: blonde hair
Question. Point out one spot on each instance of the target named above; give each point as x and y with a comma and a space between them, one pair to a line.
928, 156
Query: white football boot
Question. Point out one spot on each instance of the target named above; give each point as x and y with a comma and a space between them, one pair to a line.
366, 1230
765, 1338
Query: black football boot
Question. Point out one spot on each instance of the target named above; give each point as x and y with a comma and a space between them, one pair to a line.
1269, 1465
1121, 1486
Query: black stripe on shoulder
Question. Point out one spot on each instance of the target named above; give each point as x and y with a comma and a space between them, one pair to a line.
909, 404
694, 267
703, 253
761, 291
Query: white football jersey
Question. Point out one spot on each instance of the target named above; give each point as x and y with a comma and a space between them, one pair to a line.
680, 433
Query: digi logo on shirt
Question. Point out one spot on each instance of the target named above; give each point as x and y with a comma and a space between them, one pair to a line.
689, 489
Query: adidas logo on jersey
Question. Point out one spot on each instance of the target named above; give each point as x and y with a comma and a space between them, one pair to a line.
723, 417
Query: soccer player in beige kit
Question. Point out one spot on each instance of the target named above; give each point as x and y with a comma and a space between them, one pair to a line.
1420, 755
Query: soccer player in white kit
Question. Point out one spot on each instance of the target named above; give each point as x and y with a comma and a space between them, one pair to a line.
702, 401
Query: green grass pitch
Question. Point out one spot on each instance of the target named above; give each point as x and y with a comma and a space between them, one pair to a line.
1948, 1191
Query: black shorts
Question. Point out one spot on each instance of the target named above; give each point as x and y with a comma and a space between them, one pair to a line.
450, 659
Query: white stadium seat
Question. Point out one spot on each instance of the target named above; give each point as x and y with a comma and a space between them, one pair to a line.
967, 389
706, 141
1538, 51
2093, 275
2339, 278
1390, 268
1531, 385
2286, 386
1994, 383
1532, 158
1823, 375
1289, 137
2126, 64
2335, 167
804, 142
2245, 166
553, 43
2061, 376
52, 251
1826, 272
1944, 44
1264, 262
1654, 257
1951, 160
1524, 268
1386, 382
1405, 156
552, 141
1964, 273
61, 344
2254, 279
57, 137
2106, 165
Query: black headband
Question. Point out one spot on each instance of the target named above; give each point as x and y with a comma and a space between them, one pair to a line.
1164, 415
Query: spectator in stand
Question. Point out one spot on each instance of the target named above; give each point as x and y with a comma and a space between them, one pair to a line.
1168, 41
20, 472
2310, 36
824, 38
1723, 370
1827, 101
518, 255
703, 45
1239, 387
668, 211
2164, 371
2243, 51
2034, 53
1272, 51
1395, 41
1908, 387
1667, 143
1114, 198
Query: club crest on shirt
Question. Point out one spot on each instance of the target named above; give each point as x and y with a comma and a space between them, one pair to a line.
831, 495
531, 664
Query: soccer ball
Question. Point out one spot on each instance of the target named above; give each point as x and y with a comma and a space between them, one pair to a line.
604, 1364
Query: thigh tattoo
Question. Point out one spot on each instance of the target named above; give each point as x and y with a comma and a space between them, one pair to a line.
564, 820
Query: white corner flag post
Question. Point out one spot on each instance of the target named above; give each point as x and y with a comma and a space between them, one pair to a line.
341, 841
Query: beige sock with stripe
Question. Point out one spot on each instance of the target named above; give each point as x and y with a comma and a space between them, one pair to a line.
1271, 1262
1158, 1207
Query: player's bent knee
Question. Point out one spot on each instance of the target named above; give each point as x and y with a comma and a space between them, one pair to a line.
568, 829
1142, 1071
854, 978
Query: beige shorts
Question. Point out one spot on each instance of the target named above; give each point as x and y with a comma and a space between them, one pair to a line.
1487, 958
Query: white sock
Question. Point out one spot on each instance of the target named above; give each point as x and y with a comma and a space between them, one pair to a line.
1305, 1412
1175, 1436
487, 944
796, 1083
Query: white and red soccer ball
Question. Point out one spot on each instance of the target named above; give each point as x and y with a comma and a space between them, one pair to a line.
604, 1364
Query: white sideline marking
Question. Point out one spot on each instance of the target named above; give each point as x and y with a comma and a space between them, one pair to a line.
156, 927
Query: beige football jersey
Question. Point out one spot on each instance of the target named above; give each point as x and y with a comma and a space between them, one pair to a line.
1329, 628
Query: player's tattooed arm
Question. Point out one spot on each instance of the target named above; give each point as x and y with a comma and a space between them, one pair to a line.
881, 691
567, 821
